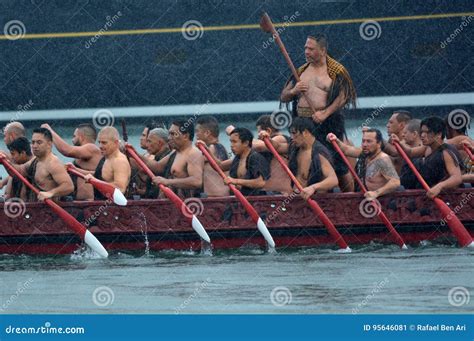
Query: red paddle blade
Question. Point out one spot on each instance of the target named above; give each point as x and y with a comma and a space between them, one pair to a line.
80, 230
266, 23
453, 222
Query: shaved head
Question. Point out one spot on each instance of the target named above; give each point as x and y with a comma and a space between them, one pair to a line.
109, 133
15, 128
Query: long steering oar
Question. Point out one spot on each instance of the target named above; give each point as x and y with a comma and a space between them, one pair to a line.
267, 26
381, 215
105, 188
468, 152
313, 204
76, 226
457, 228
248, 207
180, 205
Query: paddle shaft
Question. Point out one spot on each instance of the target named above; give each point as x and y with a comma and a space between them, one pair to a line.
312, 203
103, 187
468, 152
381, 215
283, 50
453, 222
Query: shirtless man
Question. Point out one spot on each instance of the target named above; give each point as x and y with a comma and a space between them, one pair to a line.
309, 160
439, 163
279, 181
113, 167
139, 179
411, 133
207, 131
182, 169
85, 153
380, 177
11, 132
249, 170
45, 171
396, 125
329, 88
20, 150
157, 145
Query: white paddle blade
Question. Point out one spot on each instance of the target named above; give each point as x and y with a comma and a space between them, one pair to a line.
95, 245
197, 226
119, 198
266, 234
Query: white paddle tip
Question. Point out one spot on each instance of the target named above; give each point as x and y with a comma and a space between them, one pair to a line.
119, 198
197, 226
95, 245
346, 250
404, 247
266, 234
471, 246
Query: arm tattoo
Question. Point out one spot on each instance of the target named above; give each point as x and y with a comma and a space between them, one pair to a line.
385, 167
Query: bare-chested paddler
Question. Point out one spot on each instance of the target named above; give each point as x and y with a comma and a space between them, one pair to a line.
329, 88
11, 132
85, 153
46, 172
375, 168
182, 169
113, 167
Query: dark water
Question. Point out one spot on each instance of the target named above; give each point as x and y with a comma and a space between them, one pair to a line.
375, 278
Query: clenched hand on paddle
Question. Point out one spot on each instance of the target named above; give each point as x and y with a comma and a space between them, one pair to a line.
76, 226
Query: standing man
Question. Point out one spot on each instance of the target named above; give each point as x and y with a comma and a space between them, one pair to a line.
327, 85
46, 172
85, 153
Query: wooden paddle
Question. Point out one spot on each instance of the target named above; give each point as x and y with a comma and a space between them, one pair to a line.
468, 152
396, 236
179, 204
76, 226
313, 204
248, 207
457, 228
266, 25
105, 188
